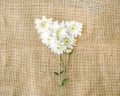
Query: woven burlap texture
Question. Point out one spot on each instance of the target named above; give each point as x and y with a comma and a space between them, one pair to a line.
27, 66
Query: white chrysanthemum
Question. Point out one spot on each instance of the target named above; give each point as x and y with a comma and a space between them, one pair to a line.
68, 41
58, 48
58, 36
43, 24
47, 39
59, 29
74, 28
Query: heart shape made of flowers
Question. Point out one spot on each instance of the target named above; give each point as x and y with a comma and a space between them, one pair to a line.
60, 37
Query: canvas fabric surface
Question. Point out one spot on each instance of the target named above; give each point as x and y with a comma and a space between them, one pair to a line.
27, 66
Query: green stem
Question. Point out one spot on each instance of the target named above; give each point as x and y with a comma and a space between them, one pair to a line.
61, 90
67, 62
60, 74
60, 77
68, 59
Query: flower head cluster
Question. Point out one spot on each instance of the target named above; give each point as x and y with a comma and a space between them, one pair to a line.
58, 36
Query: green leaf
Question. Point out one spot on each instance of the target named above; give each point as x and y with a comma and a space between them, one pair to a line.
56, 73
63, 81
60, 84
61, 72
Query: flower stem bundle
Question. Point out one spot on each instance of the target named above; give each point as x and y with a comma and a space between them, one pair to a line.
60, 38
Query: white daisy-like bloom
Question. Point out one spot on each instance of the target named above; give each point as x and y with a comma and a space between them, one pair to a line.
60, 37
59, 29
69, 41
43, 24
74, 28
58, 48
47, 39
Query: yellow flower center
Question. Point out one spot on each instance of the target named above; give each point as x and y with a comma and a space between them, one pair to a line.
58, 47
66, 41
49, 39
43, 24
58, 31
72, 27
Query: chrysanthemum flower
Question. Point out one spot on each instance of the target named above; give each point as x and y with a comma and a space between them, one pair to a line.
74, 28
58, 36
58, 48
43, 24
47, 39
59, 30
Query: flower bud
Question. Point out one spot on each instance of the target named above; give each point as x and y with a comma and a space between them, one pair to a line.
69, 51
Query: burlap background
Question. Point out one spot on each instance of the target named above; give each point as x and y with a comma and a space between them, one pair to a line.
27, 66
